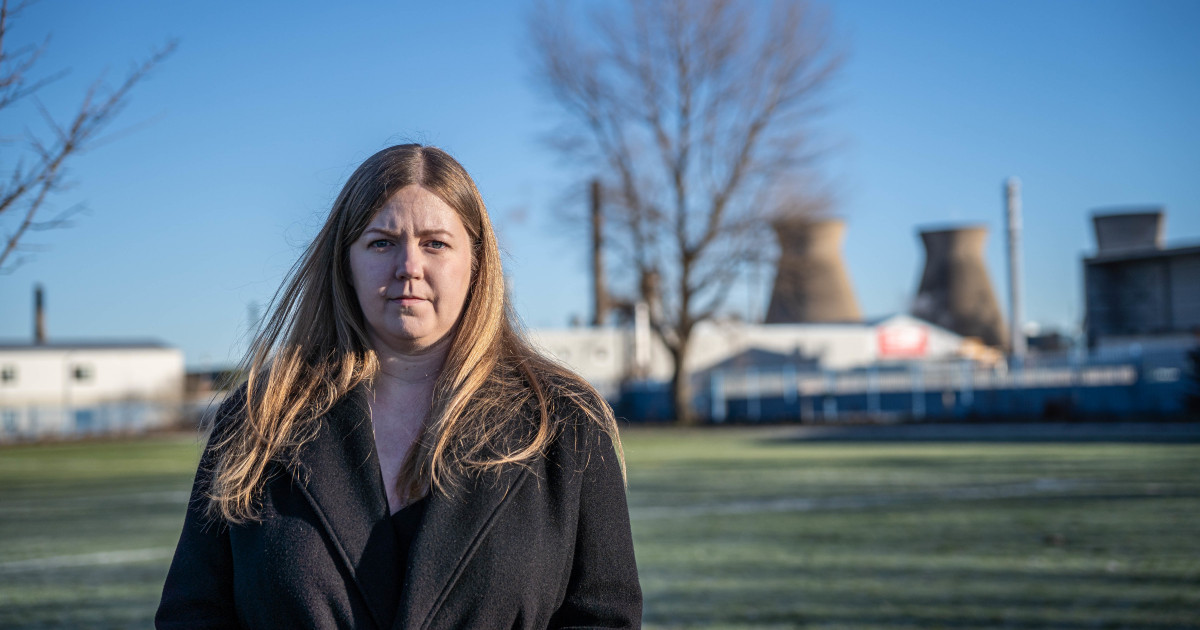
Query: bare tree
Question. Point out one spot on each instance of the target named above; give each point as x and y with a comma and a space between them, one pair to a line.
698, 115
38, 169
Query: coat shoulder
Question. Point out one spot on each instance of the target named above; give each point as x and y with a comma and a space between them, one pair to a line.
584, 428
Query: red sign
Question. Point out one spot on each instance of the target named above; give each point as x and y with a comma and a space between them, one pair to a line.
903, 341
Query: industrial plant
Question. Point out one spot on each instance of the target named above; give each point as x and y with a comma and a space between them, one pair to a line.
814, 358
1138, 292
954, 355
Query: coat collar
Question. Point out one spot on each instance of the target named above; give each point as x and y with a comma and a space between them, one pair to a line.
343, 483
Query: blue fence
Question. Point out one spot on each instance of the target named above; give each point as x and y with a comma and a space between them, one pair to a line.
1062, 387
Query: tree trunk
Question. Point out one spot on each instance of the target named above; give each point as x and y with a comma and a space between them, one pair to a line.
681, 386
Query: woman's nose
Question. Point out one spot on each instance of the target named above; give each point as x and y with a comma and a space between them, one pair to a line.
408, 264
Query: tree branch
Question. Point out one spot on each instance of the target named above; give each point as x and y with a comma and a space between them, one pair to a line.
29, 188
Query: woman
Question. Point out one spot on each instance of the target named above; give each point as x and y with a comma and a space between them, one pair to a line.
399, 456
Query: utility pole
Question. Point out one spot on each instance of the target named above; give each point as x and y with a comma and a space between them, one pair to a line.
599, 293
39, 316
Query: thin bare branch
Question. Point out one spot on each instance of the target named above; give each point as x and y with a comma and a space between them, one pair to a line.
60, 220
29, 187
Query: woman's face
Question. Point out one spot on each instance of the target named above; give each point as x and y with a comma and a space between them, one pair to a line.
411, 269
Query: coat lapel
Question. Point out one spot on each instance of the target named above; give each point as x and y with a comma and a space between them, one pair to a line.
449, 535
345, 487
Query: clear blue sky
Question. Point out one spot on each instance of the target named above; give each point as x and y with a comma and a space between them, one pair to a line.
238, 143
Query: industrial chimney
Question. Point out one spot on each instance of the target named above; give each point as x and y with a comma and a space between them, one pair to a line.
1012, 216
955, 291
811, 283
39, 315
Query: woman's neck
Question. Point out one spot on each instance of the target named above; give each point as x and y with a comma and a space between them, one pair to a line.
404, 369
400, 398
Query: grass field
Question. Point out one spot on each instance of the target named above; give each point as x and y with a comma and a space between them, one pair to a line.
733, 528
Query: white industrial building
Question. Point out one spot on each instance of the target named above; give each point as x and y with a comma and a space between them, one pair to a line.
607, 357
88, 388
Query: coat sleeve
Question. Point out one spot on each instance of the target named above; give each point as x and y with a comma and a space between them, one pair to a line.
198, 593
603, 589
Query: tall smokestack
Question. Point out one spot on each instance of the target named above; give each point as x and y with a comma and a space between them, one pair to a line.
811, 283
1012, 195
39, 315
955, 291
599, 293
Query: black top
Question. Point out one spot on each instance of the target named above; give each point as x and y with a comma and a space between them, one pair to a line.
405, 523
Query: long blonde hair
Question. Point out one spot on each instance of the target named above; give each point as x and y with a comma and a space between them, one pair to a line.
497, 401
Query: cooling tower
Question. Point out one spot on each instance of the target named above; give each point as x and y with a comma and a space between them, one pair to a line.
955, 291
1124, 231
811, 283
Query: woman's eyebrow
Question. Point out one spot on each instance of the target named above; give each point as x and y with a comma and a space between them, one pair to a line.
383, 231
433, 231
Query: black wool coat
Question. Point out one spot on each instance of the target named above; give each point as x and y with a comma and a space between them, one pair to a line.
543, 546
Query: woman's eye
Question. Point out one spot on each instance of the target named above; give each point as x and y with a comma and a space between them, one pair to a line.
379, 244
437, 244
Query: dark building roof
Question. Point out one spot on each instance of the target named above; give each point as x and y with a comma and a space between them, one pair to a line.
761, 358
